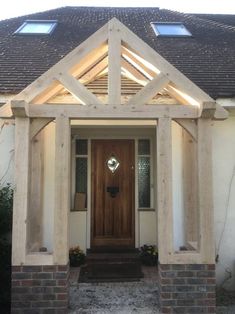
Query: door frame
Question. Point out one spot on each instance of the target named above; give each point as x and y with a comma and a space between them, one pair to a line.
90, 134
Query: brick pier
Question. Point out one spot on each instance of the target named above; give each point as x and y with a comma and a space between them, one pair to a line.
187, 288
40, 289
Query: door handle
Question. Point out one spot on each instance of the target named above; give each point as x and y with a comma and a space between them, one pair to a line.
113, 190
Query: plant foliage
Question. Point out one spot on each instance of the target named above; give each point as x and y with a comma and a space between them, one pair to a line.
76, 256
149, 255
6, 204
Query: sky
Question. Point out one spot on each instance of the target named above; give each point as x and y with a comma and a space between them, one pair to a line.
13, 8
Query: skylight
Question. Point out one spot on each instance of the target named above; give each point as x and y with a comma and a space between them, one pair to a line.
170, 29
40, 27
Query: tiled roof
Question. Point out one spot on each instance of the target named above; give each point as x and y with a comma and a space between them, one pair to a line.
207, 58
227, 19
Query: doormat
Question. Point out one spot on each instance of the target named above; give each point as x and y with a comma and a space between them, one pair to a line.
111, 272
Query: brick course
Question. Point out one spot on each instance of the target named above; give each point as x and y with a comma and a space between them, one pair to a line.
187, 288
40, 289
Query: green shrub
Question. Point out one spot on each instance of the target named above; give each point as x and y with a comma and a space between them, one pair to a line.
6, 204
149, 255
76, 256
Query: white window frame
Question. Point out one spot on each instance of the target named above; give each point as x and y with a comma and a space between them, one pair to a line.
52, 23
159, 34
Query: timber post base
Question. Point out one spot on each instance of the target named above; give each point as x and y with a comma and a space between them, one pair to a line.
187, 288
40, 289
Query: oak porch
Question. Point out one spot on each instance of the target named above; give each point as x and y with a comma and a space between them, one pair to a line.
101, 54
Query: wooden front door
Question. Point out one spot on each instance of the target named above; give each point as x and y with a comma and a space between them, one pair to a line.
113, 182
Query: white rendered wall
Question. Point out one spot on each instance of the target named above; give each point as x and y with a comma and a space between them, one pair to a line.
7, 139
77, 229
224, 198
147, 228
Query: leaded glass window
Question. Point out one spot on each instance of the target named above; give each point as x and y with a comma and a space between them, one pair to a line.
144, 171
81, 147
81, 163
81, 175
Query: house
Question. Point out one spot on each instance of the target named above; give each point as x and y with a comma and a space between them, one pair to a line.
124, 135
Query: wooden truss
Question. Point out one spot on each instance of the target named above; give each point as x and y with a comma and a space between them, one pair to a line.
114, 51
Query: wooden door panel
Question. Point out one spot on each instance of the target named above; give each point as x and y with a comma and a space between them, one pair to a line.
112, 217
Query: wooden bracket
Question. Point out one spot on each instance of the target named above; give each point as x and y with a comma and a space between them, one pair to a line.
19, 108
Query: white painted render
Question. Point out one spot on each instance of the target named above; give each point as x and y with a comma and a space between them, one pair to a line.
6, 151
223, 181
224, 198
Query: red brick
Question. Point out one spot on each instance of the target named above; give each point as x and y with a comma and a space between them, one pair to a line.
211, 295
165, 295
62, 282
63, 268
211, 266
206, 302
165, 281
49, 268
211, 281
15, 283
16, 268
211, 309
166, 310
62, 296
164, 267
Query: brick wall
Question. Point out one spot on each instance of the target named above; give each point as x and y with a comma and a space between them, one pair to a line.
40, 289
187, 288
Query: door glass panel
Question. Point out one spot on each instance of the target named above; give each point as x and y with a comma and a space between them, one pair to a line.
144, 147
81, 147
144, 181
81, 175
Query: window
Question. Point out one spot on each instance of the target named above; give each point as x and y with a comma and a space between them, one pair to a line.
80, 202
40, 27
170, 29
144, 168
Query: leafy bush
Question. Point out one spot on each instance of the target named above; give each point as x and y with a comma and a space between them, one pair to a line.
149, 255
6, 204
76, 256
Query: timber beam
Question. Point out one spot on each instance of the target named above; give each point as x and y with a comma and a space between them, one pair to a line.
113, 111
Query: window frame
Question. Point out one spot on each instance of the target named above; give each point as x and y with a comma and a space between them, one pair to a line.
158, 33
75, 157
53, 23
151, 183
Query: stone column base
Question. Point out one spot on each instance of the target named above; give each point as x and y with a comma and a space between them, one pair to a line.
187, 288
40, 289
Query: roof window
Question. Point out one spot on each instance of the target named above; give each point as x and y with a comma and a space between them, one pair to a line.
40, 27
170, 29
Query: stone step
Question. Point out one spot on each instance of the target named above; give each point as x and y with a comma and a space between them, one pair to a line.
112, 257
111, 272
